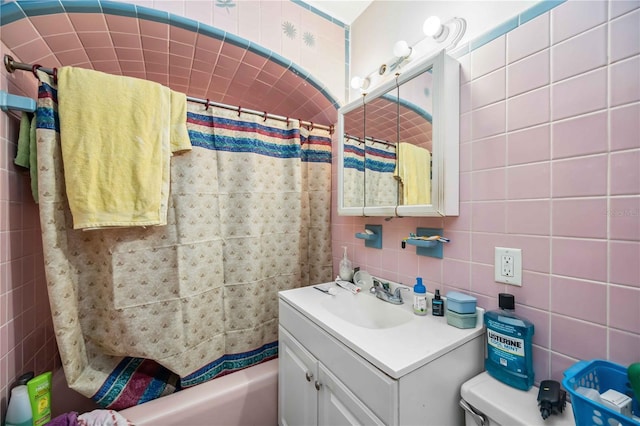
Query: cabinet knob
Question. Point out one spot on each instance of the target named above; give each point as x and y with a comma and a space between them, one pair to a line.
318, 385
309, 376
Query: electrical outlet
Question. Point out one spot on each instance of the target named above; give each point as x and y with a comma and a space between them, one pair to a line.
508, 266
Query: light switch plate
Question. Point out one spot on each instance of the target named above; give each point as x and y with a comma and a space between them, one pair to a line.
508, 266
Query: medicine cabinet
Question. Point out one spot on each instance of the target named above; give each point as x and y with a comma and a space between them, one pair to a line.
399, 144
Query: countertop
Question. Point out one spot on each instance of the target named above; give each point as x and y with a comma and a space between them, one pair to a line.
395, 350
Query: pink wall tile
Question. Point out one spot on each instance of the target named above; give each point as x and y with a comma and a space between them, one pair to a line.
488, 153
624, 218
625, 173
488, 121
460, 245
624, 308
482, 279
88, 22
540, 319
534, 292
579, 339
529, 109
625, 84
488, 89
465, 98
579, 54
582, 176
573, 17
488, 185
537, 250
64, 42
528, 217
528, 39
465, 157
49, 25
580, 218
529, 181
579, 258
488, 58
122, 24
465, 128
488, 217
625, 36
579, 299
530, 73
624, 267
583, 135
585, 93
528, 145
625, 127
620, 7
456, 274
624, 346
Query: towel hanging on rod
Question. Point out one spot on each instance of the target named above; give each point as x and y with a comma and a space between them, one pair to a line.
11, 65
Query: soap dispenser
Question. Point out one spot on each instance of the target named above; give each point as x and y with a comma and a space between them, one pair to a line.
346, 267
419, 298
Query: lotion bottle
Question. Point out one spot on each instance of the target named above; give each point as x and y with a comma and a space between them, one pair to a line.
346, 267
419, 298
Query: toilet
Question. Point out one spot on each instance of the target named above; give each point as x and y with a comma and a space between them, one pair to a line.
489, 402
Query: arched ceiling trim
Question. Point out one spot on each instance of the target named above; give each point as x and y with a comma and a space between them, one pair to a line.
320, 106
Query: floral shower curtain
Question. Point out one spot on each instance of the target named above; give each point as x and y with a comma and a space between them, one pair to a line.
141, 312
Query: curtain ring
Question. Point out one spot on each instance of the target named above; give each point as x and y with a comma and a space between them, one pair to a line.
239, 110
264, 117
55, 75
206, 106
287, 120
331, 129
311, 126
34, 68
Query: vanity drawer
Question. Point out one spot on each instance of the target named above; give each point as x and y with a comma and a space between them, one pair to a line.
375, 389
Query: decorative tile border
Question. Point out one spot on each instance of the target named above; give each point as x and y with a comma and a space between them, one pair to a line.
507, 26
14, 11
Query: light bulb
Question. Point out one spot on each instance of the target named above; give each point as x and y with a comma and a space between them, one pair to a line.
432, 26
401, 49
360, 83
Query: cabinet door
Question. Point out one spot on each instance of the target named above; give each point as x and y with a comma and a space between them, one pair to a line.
297, 374
337, 406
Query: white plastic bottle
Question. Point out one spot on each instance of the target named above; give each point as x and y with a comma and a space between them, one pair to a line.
346, 267
419, 298
19, 410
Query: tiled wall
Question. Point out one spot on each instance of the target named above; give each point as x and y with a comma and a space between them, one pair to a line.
550, 163
27, 342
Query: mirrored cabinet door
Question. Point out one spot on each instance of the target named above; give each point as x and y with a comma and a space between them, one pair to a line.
351, 173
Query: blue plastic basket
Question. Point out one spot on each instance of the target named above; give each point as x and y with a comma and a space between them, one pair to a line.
599, 375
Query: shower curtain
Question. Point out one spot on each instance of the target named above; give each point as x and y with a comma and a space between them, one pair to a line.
353, 179
380, 163
141, 312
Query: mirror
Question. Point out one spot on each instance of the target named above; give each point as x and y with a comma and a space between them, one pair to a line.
411, 144
352, 150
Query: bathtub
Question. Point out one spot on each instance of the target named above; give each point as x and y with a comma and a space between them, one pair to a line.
246, 397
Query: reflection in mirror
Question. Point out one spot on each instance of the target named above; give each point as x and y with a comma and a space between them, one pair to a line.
354, 157
381, 132
413, 169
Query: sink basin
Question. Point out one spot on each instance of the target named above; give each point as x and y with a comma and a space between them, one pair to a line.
366, 311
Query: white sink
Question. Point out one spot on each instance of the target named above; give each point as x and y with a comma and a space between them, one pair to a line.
366, 311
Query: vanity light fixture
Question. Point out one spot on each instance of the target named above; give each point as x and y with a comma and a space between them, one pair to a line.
440, 32
402, 50
360, 83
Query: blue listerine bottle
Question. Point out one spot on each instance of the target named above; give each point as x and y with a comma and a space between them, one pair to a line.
509, 352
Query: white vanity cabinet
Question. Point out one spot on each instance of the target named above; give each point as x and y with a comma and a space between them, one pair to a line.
310, 395
329, 377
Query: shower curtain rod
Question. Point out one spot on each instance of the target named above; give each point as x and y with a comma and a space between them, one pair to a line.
369, 138
11, 65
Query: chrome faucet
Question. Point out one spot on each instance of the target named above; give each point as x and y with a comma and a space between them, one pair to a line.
383, 293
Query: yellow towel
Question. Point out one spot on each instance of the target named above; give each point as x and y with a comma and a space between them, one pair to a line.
117, 134
413, 170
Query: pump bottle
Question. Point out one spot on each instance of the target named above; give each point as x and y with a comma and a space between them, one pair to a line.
346, 267
419, 298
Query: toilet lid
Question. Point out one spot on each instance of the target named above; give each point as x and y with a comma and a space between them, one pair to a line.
509, 406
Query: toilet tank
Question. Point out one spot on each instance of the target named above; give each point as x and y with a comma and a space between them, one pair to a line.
503, 405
